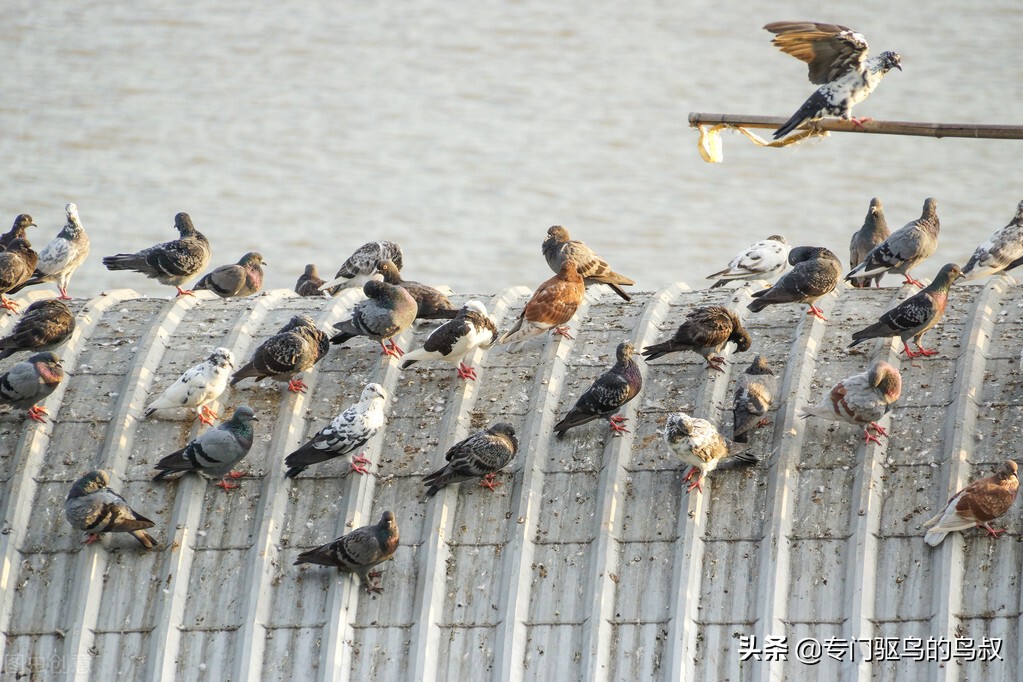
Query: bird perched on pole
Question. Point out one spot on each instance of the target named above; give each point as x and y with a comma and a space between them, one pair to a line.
872, 234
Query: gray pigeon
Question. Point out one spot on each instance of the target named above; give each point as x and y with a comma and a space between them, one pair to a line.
61, 257
815, 272
30, 382
17, 263
706, 331
873, 233
235, 281
387, 312
17, 231
296, 347
906, 248
432, 304
171, 263
45, 325
481, 455
309, 283
607, 395
362, 265
215, 452
1002, 252
93, 507
559, 247
754, 393
471, 328
359, 551
348, 431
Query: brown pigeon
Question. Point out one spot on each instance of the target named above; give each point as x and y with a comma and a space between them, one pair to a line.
45, 325
815, 273
552, 305
309, 283
17, 231
243, 278
559, 247
861, 399
705, 331
873, 232
17, 263
978, 504
359, 551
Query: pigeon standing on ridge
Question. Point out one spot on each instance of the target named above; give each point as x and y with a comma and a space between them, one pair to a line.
309, 283
359, 551
815, 273
861, 399
17, 263
295, 347
697, 443
431, 304
905, 248
214, 453
553, 304
837, 61
754, 393
760, 260
30, 382
1002, 252
481, 455
470, 329
239, 280
93, 507
915, 315
607, 394
349, 431
559, 247
171, 263
21, 223
978, 504
198, 387
45, 325
864, 240
705, 331
59, 259
387, 311
362, 265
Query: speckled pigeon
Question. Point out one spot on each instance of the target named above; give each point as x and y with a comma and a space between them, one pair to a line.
93, 507
553, 304
214, 453
559, 247
754, 393
296, 347
198, 387
471, 328
815, 273
59, 259
978, 504
705, 331
864, 240
359, 551
171, 263
697, 443
431, 303
45, 325
905, 248
915, 315
760, 260
481, 455
17, 231
17, 263
309, 283
388, 311
362, 265
1002, 252
607, 395
861, 399
244, 278
30, 382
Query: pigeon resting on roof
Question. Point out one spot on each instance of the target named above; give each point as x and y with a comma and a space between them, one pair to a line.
17, 231
705, 331
198, 386
978, 504
754, 393
837, 59
30, 382
362, 265
815, 273
92, 506
760, 260
359, 551
295, 347
1002, 252
481, 455
697, 443
559, 247
17, 263
214, 453
171, 263
906, 248
915, 315
59, 259
470, 329
348, 431
45, 325
861, 399
607, 395
239, 280
431, 304
553, 304
309, 283
387, 311
864, 240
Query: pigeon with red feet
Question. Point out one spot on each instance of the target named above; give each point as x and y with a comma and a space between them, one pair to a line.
607, 395
978, 504
93, 507
241, 279
697, 443
861, 399
761, 260
815, 273
172, 263
17, 263
552, 305
470, 329
359, 551
706, 331
904, 249
295, 347
754, 393
30, 382
481, 455
213, 454
872, 234
59, 259
431, 303
387, 311
362, 266
559, 247
1001, 253
198, 386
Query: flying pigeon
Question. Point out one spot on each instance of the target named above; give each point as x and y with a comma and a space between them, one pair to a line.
915, 315
362, 265
349, 431
559, 247
17, 231
296, 347
171, 263
359, 551
61, 257
198, 386
470, 329
1002, 252
978, 504
861, 399
759, 261
30, 382
906, 248
837, 59
387, 312
309, 283
45, 325
93, 507
815, 273
871, 235
214, 453
754, 393
705, 331
481, 455
697, 443
552, 305
241, 279
432, 304
17, 263
607, 395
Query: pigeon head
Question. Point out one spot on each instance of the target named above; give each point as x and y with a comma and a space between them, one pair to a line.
777, 238
759, 366
741, 338
382, 291
930, 210
183, 224
1018, 218
301, 320
887, 380
946, 277
503, 428
373, 392
243, 415
875, 206
387, 527
72, 213
557, 234
677, 428
889, 60
624, 351
311, 271
252, 259
95, 480
800, 254
475, 307
221, 357
24, 221
45, 358
389, 270
1007, 470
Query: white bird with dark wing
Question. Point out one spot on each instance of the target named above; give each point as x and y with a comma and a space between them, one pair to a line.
198, 386
470, 329
837, 59
697, 443
59, 259
760, 260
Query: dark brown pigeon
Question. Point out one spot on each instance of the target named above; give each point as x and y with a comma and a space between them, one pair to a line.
171, 263
815, 273
44, 326
607, 395
17, 231
481, 455
295, 347
754, 393
705, 331
244, 278
309, 283
17, 263
559, 247
359, 551
978, 504
431, 304
864, 240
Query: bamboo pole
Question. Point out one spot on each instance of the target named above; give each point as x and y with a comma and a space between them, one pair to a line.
920, 129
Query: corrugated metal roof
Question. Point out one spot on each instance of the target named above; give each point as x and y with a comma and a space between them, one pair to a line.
589, 563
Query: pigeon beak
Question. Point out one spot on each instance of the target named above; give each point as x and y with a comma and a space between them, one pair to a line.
899, 67
255, 418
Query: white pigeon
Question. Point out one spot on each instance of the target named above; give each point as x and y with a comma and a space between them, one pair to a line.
861, 399
697, 443
760, 260
470, 329
61, 257
198, 386
1003, 251
362, 266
